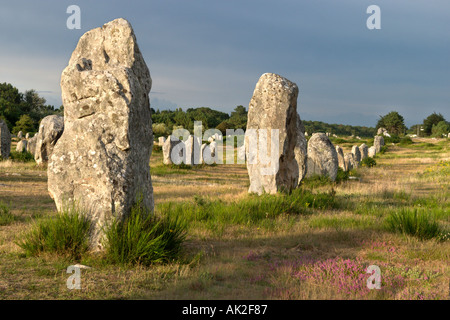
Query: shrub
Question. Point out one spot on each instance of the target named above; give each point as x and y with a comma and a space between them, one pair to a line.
66, 234
383, 150
413, 222
368, 162
406, 141
392, 139
342, 175
142, 238
21, 156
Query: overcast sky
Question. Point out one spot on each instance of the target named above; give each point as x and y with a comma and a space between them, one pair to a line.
211, 53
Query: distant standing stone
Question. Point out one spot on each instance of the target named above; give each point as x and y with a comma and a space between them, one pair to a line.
31, 145
20, 135
169, 154
341, 161
161, 141
322, 157
350, 162
5, 140
357, 153
372, 151
364, 150
378, 143
22, 146
50, 130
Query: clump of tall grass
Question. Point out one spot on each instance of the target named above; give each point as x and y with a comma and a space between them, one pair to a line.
66, 234
6, 217
142, 238
414, 222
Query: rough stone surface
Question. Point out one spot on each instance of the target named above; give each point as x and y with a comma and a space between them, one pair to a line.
101, 162
5, 140
357, 153
340, 155
372, 151
322, 157
274, 106
20, 135
168, 147
31, 145
22, 146
50, 130
364, 150
378, 143
161, 141
27, 136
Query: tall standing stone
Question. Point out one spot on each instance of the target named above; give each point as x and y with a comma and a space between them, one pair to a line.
322, 157
5, 140
101, 162
364, 150
341, 161
161, 141
274, 106
50, 130
378, 143
20, 135
193, 146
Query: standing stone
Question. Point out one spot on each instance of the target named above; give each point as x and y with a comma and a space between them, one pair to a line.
31, 145
193, 146
22, 146
322, 157
349, 159
341, 161
101, 162
364, 150
372, 151
5, 140
378, 143
202, 150
357, 153
161, 141
50, 130
20, 135
274, 106
27, 136
169, 154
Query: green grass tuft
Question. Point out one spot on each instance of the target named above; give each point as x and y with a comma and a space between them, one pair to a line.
414, 222
144, 239
6, 217
66, 234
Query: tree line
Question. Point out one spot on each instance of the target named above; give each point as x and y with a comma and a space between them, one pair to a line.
24, 111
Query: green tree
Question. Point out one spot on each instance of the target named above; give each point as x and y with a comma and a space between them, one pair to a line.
432, 119
24, 124
238, 119
10, 103
440, 129
223, 126
393, 122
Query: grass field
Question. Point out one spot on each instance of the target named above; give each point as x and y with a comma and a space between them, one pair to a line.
314, 244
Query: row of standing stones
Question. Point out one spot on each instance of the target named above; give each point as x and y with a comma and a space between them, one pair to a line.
98, 154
